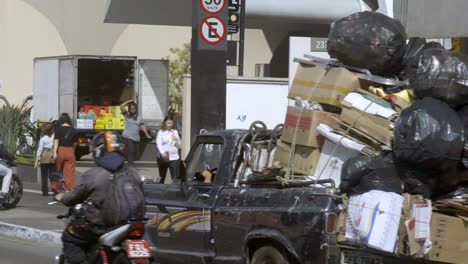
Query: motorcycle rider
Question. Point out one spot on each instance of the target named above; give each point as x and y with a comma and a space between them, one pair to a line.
5, 171
80, 234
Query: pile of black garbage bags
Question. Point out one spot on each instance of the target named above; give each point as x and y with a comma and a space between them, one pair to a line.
428, 156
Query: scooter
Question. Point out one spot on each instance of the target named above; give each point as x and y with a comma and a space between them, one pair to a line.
121, 245
16, 187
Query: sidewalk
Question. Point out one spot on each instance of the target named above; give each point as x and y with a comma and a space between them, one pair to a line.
34, 220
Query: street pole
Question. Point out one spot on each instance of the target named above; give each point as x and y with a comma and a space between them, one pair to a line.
241, 39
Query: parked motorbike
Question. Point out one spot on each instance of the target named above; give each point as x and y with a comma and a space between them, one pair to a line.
16, 187
122, 245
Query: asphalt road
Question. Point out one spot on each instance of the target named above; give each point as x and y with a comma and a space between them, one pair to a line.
14, 251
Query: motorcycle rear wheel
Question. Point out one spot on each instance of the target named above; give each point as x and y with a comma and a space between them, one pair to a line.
15, 193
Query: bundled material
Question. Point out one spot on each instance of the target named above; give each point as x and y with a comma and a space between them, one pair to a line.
324, 85
374, 219
363, 174
440, 74
429, 135
368, 40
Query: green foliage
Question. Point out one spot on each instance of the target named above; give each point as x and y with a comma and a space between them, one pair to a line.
179, 66
15, 124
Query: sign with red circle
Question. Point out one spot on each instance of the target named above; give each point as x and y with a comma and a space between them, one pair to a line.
213, 30
213, 7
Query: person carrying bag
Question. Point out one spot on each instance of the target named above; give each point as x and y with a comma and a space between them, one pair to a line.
168, 145
45, 157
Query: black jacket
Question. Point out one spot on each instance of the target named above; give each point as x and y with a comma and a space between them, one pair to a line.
4, 154
93, 186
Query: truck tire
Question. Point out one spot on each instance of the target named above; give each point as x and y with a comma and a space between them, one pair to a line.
268, 255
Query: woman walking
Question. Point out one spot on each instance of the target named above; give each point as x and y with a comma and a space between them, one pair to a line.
131, 134
65, 141
44, 157
168, 145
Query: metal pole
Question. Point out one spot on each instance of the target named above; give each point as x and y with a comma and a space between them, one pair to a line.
241, 39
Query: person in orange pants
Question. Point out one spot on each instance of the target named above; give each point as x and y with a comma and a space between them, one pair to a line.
65, 140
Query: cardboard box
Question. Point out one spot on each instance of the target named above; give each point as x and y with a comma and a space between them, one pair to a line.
330, 163
328, 86
109, 123
374, 218
98, 111
449, 237
414, 233
375, 127
305, 158
115, 111
121, 122
307, 134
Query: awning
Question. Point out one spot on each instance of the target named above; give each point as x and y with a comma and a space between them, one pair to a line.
260, 14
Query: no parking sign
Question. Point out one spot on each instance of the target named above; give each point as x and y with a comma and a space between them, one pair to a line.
212, 30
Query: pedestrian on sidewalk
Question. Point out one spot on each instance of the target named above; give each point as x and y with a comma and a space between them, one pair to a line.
44, 157
168, 146
65, 140
131, 134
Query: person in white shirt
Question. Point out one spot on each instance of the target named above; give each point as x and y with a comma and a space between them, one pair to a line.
168, 146
46, 146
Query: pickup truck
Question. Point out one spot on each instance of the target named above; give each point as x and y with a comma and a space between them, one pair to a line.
253, 219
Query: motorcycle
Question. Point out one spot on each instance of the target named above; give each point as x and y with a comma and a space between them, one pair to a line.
122, 245
16, 187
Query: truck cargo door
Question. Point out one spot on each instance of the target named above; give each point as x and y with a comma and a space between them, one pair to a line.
45, 89
153, 90
67, 87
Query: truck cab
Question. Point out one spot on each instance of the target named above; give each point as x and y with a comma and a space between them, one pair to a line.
229, 221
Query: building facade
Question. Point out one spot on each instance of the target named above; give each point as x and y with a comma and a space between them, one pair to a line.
42, 28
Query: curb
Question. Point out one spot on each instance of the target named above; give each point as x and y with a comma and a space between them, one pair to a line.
30, 234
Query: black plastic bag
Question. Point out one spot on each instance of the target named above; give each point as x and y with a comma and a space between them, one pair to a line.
463, 113
368, 40
362, 174
413, 51
429, 135
440, 74
416, 181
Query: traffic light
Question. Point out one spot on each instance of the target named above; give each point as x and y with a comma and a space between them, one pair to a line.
233, 16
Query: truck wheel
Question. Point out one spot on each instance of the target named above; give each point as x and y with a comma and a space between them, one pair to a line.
268, 255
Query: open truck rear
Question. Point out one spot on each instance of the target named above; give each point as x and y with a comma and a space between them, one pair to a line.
90, 89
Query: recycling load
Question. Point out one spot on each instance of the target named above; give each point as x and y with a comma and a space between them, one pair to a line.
387, 122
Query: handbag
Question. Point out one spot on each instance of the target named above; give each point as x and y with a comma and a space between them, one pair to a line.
164, 158
47, 156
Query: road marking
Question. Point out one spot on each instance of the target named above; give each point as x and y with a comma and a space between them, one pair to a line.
32, 191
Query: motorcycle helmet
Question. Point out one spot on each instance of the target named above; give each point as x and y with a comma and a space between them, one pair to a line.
107, 141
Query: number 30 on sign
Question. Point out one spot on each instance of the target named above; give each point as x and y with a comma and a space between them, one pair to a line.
213, 7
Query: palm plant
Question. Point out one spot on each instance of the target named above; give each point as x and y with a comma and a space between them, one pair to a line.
15, 123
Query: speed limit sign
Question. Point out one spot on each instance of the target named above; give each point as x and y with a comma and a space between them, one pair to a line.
213, 7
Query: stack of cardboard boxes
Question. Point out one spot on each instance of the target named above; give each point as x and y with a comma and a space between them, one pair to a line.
354, 110
316, 84
101, 117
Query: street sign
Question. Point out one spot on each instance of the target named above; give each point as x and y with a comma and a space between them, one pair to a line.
213, 30
318, 44
234, 5
213, 7
232, 28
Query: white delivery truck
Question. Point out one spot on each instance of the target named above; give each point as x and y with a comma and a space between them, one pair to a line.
90, 89
248, 99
